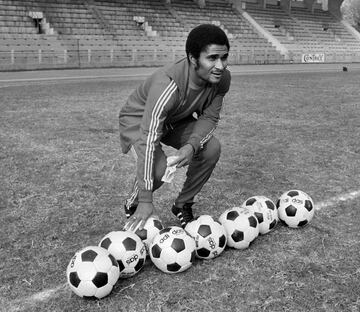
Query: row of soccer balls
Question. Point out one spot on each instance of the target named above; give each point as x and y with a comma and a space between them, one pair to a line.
94, 270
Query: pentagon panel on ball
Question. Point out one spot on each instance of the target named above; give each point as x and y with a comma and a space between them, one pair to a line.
241, 227
92, 272
265, 212
209, 236
128, 250
172, 250
295, 208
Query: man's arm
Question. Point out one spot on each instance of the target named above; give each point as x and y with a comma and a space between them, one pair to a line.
160, 97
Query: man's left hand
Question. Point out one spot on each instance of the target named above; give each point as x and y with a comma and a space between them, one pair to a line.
183, 156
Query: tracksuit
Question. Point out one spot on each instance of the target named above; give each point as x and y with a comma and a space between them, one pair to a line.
167, 109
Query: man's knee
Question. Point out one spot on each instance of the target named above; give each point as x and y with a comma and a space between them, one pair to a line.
211, 151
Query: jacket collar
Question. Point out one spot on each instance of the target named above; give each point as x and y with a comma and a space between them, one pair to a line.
179, 72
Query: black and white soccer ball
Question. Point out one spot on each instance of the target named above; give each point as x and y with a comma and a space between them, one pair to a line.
128, 250
295, 208
241, 227
172, 250
209, 236
92, 272
151, 228
265, 212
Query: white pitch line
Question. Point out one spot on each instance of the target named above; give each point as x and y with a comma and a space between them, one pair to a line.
46, 294
337, 199
236, 71
74, 77
20, 305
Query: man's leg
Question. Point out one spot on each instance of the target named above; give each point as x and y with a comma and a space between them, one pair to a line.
159, 170
199, 171
200, 167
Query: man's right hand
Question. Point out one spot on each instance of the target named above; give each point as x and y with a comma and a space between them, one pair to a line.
139, 218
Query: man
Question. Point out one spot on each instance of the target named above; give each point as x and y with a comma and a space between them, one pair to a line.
179, 106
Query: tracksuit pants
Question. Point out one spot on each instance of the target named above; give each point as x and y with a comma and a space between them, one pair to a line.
199, 170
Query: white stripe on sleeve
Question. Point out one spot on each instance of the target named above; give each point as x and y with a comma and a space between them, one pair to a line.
154, 124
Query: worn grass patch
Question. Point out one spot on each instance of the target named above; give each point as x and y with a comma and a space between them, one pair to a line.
64, 182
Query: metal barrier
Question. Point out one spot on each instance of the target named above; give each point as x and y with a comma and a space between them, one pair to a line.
92, 58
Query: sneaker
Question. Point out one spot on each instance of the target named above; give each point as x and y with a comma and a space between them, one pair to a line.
129, 211
185, 214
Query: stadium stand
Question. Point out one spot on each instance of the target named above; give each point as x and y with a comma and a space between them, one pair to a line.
37, 34
328, 31
245, 41
304, 31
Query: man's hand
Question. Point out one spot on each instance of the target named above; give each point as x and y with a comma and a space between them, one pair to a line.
183, 156
139, 218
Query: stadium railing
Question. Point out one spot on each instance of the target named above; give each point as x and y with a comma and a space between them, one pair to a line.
133, 57
92, 58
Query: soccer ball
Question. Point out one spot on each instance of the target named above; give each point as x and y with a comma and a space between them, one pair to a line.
128, 250
295, 208
209, 235
264, 210
241, 227
151, 228
172, 250
92, 272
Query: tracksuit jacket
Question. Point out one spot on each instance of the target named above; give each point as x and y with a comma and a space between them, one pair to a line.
157, 104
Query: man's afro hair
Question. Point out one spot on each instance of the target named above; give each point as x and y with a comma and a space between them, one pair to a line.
202, 36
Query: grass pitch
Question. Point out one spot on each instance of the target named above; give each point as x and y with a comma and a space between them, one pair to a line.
64, 182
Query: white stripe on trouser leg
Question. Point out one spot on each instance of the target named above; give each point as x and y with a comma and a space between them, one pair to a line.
133, 195
133, 153
135, 188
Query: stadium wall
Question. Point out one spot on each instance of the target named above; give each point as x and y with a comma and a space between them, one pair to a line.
57, 56
35, 60
93, 58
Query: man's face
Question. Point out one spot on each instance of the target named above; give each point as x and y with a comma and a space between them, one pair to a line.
211, 63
